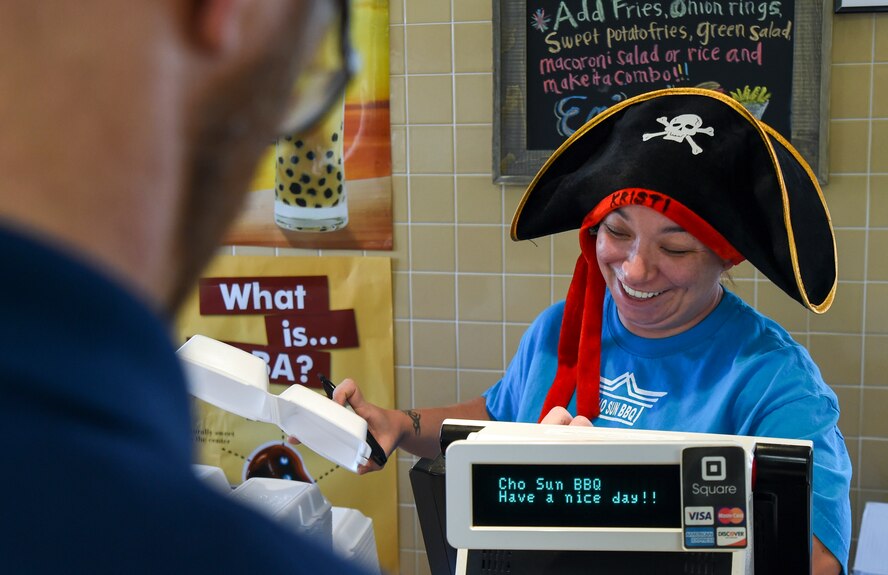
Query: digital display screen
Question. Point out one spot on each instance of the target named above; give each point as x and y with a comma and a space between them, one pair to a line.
550, 495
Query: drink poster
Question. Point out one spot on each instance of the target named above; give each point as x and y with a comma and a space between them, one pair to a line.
303, 316
330, 187
586, 55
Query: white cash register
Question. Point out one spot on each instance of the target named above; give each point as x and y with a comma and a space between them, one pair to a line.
511, 498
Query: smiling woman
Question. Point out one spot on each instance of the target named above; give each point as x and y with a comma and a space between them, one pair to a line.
663, 212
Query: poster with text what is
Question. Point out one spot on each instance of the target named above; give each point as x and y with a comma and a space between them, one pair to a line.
302, 316
586, 55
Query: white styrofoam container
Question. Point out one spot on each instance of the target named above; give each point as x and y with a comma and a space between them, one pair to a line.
237, 381
212, 476
353, 538
297, 505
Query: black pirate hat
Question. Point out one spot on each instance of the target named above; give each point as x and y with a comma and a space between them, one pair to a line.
703, 160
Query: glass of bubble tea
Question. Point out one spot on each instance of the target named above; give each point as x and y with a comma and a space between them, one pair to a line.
309, 182
309, 178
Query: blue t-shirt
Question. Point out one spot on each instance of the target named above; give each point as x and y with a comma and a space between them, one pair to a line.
96, 439
736, 373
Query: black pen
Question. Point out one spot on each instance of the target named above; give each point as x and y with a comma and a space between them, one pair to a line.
377, 454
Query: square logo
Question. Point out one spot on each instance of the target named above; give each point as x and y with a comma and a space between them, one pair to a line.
714, 468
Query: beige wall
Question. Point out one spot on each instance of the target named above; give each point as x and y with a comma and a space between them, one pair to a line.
851, 342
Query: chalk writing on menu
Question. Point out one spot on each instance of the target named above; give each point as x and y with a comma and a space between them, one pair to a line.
586, 55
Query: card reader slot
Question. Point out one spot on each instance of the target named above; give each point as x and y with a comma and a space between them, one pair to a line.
782, 509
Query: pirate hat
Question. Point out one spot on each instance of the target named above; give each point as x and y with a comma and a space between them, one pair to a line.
700, 158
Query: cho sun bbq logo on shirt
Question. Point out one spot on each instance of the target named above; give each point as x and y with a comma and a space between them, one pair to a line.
623, 401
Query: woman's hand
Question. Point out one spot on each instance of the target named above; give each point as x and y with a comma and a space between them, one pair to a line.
561, 416
382, 423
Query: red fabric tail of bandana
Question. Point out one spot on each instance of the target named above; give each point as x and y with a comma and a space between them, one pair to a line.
579, 345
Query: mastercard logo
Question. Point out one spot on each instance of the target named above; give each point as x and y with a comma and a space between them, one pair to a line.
730, 515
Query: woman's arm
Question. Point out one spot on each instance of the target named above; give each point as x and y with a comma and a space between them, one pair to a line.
421, 436
414, 430
822, 561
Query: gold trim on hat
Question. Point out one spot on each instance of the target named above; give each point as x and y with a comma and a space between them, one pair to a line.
828, 300
765, 132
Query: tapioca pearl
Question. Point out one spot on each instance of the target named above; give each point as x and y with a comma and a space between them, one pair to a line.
281, 160
310, 155
280, 187
299, 143
301, 203
322, 182
319, 206
294, 159
328, 193
329, 153
339, 176
335, 136
288, 138
295, 188
339, 188
312, 192
289, 173
305, 179
329, 168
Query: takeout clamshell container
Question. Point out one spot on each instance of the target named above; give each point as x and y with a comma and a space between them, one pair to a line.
212, 476
353, 538
298, 505
237, 381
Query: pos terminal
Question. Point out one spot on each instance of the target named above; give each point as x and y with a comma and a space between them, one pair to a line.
525, 498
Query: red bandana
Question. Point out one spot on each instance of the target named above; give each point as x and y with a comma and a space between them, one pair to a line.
579, 345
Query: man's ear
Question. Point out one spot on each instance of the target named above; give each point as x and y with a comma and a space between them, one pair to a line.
217, 24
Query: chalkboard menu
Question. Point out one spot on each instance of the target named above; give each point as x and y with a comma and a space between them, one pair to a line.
558, 63
584, 55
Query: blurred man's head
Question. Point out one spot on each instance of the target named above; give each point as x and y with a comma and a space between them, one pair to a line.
132, 129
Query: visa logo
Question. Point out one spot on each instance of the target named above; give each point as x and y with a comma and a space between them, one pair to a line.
699, 516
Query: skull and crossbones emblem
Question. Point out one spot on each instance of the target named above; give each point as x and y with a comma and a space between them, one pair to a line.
681, 128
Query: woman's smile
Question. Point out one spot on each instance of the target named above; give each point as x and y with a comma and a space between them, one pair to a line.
637, 294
